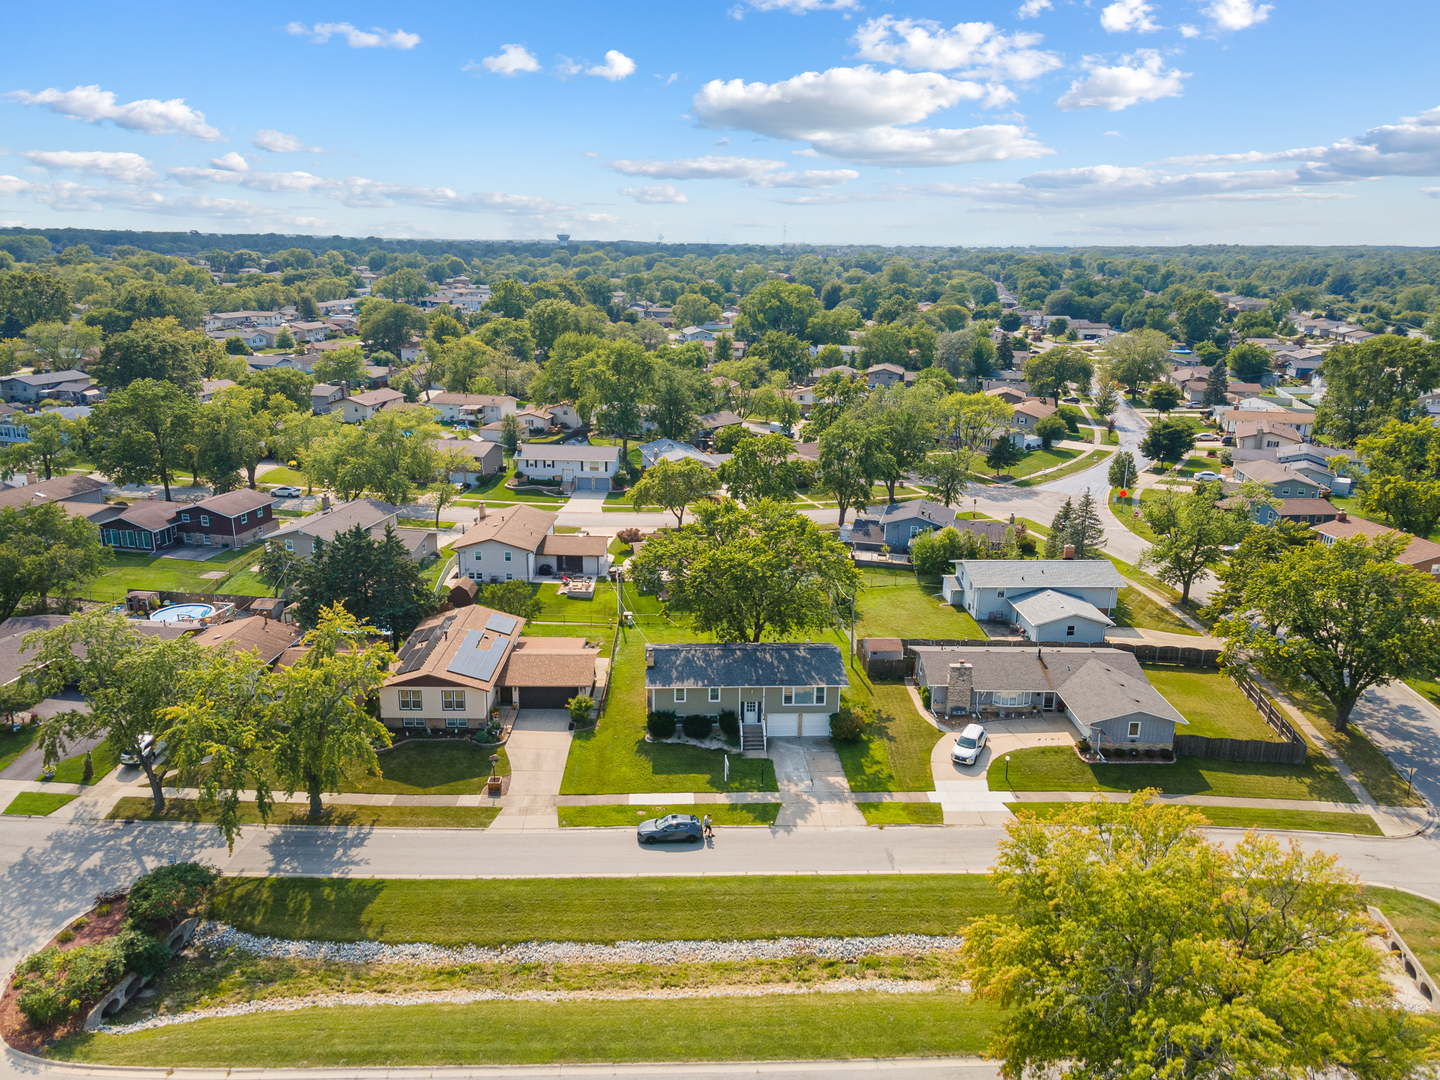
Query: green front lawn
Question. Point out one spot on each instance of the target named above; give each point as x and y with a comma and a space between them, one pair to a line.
171, 575
902, 813
281, 477
1091, 459
893, 754
1136, 609
1036, 460
614, 757
896, 602
38, 803
1057, 768
499, 911
72, 770
334, 814
14, 743
616, 815
432, 767
789, 1027
1214, 705
1244, 817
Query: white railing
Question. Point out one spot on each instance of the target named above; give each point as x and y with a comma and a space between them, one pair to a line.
445, 573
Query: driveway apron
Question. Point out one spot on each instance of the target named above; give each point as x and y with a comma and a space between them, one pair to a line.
539, 743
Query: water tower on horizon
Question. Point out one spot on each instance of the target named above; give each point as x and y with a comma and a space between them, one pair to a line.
562, 237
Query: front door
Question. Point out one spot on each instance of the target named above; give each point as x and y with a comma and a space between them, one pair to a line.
751, 712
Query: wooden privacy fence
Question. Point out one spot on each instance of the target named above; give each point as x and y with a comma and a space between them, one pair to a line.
1290, 750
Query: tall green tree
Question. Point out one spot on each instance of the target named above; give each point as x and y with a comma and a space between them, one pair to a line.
31, 296
346, 365
615, 380
44, 550
948, 474
1197, 313
1370, 384
127, 678
1136, 358
851, 458
1346, 616
674, 485
677, 398
59, 346
389, 326
1216, 385
1401, 481
156, 350
747, 573
1193, 532
1168, 440
776, 305
906, 436
374, 580
1261, 545
1193, 958
1123, 472
140, 432
50, 446
1053, 371
1060, 526
760, 468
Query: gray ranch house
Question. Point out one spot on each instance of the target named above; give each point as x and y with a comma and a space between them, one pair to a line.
777, 690
1051, 600
896, 524
1103, 692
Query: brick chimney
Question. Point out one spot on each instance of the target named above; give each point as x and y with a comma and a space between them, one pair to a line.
1340, 515
958, 692
649, 656
480, 512
1069, 551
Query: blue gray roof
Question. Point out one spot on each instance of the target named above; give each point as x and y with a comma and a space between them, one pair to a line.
1049, 606
932, 512
744, 665
1041, 574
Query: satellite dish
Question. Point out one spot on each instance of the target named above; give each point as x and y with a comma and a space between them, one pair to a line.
562, 237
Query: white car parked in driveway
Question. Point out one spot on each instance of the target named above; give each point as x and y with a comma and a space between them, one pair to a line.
1208, 474
287, 492
972, 740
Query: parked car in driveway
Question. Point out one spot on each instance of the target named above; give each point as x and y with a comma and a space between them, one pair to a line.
972, 740
670, 829
286, 492
147, 745
1207, 474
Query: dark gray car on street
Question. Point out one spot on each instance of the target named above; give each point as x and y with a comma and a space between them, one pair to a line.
671, 829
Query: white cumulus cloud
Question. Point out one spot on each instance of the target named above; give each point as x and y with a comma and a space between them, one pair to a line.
1186, 30
1126, 15
810, 178
710, 167
800, 7
662, 193
976, 47
277, 142
231, 162
1031, 8
1141, 76
512, 60
374, 38
1237, 14
617, 65
853, 114
125, 167
150, 115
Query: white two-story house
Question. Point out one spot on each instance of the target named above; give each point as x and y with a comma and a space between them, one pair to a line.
576, 468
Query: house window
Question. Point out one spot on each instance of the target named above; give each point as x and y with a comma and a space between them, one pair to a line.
1069, 631
593, 466
679, 693
410, 701
507, 556
1284, 491
1134, 729
1049, 702
1011, 697
477, 556
260, 531
205, 520
456, 722
289, 545
413, 722
1000, 594
184, 517
715, 690
819, 695
244, 517
509, 577
452, 700
800, 695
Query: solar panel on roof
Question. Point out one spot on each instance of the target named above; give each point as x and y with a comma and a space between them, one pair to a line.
475, 662
501, 624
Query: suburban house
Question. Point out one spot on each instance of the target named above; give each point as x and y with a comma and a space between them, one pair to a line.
896, 524
309, 331
1265, 435
226, 320
324, 397
564, 414
1103, 692
62, 489
210, 387
1421, 555
488, 458
576, 467
300, 536
884, 375
1313, 462
673, 450
255, 339
1283, 481
1030, 412
1011, 395
38, 387
504, 544
360, 407
783, 690
710, 423
459, 665
231, 520
146, 525
1303, 363
989, 589
271, 638
570, 553
475, 409
1307, 511
1259, 408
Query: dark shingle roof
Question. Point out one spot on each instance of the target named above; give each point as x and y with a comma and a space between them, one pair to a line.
746, 665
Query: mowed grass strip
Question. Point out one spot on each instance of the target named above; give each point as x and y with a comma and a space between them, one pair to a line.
432, 767
38, 803
615, 815
902, 813
1214, 706
897, 603
500, 912
335, 814
893, 753
1243, 817
1057, 768
859, 1025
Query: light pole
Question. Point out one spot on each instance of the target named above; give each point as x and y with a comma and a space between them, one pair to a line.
1007, 770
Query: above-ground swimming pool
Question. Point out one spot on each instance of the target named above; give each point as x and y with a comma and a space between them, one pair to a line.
177, 612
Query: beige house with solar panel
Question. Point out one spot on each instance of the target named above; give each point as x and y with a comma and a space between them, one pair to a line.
459, 665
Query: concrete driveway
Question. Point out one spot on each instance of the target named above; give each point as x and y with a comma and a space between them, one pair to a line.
963, 791
1406, 726
539, 744
812, 783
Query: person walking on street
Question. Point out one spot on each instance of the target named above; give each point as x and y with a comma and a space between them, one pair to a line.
709, 829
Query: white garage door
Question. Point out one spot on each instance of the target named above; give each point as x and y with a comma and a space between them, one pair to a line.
778, 725
816, 725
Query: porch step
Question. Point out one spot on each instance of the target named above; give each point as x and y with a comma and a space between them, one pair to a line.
752, 737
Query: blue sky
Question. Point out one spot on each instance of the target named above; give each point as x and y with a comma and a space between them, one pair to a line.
824, 121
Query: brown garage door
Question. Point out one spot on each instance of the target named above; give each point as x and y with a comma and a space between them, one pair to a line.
545, 697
